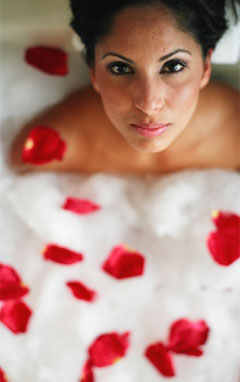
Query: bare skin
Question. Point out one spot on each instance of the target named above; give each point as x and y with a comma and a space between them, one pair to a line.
166, 82
94, 145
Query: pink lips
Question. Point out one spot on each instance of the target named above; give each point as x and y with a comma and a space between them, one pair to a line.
151, 130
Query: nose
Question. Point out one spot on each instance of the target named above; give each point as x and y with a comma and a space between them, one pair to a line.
147, 96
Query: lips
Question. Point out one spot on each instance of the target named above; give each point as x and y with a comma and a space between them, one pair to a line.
150, 130
151, 126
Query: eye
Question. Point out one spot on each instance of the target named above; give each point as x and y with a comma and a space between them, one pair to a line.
119, 68
174, 66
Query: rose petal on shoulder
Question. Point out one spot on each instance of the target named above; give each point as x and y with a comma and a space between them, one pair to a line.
61, 255
15, 316
43, 145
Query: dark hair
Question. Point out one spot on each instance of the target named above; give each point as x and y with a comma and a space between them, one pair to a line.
203, 19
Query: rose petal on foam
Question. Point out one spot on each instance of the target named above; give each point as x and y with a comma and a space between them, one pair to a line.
186, 337
80, 206
87, 373
80, 291
15, 316
160, 357
224, 243
61, 255
226, 220
224, 247
108, 348
11, 286
43, 145
123, 263
3, 377
49, 60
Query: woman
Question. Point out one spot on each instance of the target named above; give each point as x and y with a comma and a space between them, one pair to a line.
152, 107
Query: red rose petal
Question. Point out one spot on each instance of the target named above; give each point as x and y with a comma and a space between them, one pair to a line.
226, 220
108, 349
11, 286
61, 255
80, 206
160, 357
224, 247
87, 372
224, 243
186, 337
123, 263
43, 145
3, 377
15, 315
80, 291
47, 59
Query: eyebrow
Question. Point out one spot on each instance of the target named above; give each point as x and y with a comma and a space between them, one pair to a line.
160, 59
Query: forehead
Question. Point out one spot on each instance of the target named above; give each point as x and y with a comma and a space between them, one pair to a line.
146, 27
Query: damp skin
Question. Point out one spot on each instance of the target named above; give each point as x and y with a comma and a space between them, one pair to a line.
149, 71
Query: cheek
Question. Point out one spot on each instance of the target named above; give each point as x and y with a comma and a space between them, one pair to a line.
114, 94
115, 101
183, 98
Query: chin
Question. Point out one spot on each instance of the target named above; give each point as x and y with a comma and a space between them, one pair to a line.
149, 146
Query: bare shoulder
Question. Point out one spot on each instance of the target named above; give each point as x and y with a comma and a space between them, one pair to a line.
223, 97
223, 110
73, 119
229, 103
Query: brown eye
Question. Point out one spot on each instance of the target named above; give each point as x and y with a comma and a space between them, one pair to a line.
119, 68
174, 66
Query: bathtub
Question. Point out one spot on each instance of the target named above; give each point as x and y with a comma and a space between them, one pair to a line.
166, 220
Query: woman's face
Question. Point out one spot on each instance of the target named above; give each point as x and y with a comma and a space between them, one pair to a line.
149, 73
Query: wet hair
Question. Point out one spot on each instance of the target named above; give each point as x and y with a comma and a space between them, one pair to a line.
204, 20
